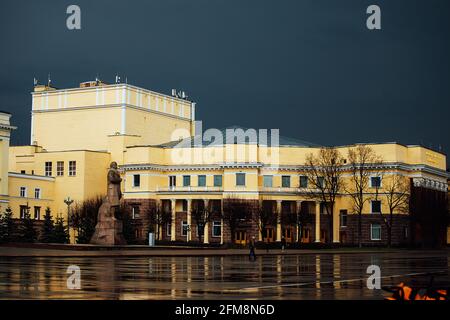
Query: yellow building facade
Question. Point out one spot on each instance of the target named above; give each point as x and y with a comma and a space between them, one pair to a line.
76, 133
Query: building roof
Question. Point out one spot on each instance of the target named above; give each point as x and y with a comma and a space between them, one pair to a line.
237, 134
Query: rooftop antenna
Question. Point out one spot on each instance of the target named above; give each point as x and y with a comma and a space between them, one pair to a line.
126, 80
35, 82
49, 80
117, 78
97, 79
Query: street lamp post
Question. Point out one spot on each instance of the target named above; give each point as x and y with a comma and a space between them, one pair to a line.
68, 202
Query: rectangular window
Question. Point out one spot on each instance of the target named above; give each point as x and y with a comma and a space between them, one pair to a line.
37, 213
376, 206
286, 181
202, 181
48, 169
268, 181
37, 193
240, 179
23, 192
303, 182
136, 180
184, 209
172, 181
23, 211
72, 168
217, 229
343, 217
184, 228
169, 229
375, 182
186, 181
217, 181
135, 212
320, 182
60, 168
375, 231
22, 171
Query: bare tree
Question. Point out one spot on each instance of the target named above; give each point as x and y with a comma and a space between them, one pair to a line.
235, 212
159, 216
263, 217
325, 177
360, 160
397, 192
201, 215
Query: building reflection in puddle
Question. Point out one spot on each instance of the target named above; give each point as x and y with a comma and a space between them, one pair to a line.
316, 276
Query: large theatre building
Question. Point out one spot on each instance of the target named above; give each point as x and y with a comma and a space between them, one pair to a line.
169, 165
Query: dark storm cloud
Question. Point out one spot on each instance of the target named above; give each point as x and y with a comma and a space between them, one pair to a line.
310, 68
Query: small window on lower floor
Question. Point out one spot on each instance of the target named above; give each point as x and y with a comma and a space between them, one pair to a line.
375, 231
37, 213
169, 229
216, 229
343, 216
184, 228
24, 210
135, 212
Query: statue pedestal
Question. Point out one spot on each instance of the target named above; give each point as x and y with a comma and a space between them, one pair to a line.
108, 230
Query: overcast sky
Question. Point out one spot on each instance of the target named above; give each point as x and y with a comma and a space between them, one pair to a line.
310, 68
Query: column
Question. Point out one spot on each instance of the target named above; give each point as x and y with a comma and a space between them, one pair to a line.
336, 225
173, 229
278, 220
222, 227
317, 238
206, 231
297, 229
260, 238
189, 220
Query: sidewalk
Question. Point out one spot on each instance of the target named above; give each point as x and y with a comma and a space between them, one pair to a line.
139, 251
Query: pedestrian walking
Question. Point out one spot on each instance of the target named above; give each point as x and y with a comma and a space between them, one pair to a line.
252, 255
283, 243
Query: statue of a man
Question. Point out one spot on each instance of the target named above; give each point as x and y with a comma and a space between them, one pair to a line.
114, 194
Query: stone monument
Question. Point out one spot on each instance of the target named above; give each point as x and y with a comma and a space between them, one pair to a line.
109, 229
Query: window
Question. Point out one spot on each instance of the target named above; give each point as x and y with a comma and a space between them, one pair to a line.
320, 181
169, 229
268, 181
37, 193
184, 228
136, 180
135, 212
60, 168
22, 171
186, 181
184, 208
303, 182
23, 211
72, 168
375, 182
23, 192
37, 213
240, 179
217, 181
343, 217
216, 229
286, 181
48, 169
376, 206
172, 181
375, 231
202, 181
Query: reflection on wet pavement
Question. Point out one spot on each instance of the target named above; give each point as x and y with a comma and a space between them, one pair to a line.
322, 276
